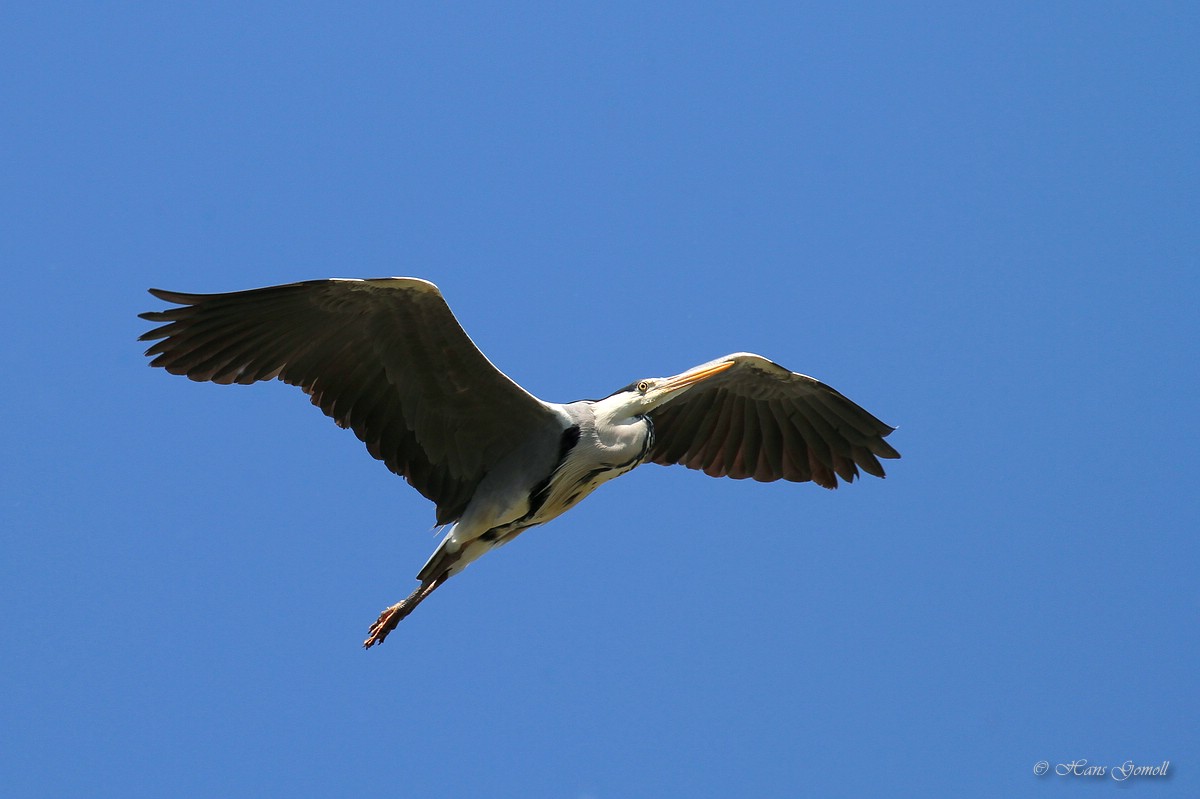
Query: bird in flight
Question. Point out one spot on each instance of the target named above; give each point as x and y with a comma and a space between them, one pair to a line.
386, 358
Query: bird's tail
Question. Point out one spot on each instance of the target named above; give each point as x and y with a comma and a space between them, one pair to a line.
441, 562
461, 547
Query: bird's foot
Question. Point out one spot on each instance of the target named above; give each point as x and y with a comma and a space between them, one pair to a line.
386, 622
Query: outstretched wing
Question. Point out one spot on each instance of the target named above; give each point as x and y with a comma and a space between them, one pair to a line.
758, 419
384, 357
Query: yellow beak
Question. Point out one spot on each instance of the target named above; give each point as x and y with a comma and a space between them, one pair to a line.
693, 376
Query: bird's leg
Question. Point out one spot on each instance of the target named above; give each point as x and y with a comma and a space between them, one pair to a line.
388, 620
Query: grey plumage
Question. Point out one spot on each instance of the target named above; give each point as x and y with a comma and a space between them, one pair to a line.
763, 421
386, 358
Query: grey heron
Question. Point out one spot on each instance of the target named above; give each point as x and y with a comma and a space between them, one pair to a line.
386, 358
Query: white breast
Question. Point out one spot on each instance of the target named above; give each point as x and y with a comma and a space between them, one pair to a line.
596, 459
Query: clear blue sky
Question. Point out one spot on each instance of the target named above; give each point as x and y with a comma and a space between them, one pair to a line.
980, 222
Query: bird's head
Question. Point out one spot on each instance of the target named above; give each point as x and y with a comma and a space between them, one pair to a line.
642, 396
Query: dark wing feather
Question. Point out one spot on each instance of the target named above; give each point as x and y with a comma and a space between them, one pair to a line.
384, 357
758, 419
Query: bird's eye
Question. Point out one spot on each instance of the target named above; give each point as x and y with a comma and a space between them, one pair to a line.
643, 386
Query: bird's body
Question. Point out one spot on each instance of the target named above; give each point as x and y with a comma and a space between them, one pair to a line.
386, 358
532, 491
